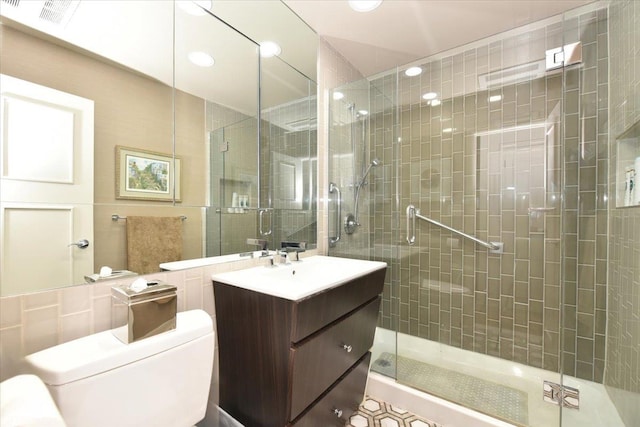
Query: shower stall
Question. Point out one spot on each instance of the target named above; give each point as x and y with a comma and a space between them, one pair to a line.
484, 183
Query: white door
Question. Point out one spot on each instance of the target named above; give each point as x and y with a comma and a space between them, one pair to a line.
46, 191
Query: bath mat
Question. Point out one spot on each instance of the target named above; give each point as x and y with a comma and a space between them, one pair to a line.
496, 400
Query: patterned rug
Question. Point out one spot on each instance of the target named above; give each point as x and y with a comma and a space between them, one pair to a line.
376, 413
497, 400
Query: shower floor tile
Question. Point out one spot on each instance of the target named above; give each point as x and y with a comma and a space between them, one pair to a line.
376, 413
494, 399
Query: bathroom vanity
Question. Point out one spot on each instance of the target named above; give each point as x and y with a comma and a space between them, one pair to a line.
294, 340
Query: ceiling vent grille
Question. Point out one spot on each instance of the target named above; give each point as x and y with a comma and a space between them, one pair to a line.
41, 14
55, 11
14, 3
518, 73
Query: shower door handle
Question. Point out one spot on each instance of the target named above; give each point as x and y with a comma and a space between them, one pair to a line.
333, 188
260, 222
411, 224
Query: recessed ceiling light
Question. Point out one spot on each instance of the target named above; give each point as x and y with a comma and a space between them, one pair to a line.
201, 59
495, 98
430, 95
195, 7
269, 49
338, 96
435, 102
447, 130
364, 5
363, 112
413, 71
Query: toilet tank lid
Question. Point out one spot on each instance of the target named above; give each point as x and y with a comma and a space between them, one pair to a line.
97, 353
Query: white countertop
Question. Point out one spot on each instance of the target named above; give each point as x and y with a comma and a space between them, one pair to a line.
299, 279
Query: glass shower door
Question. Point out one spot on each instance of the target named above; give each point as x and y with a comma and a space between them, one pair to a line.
481, 153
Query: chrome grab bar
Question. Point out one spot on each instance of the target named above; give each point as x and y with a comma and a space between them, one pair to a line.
261, 212
412, 212
411, 217
333, 188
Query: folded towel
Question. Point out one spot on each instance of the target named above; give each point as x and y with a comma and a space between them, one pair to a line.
152, 240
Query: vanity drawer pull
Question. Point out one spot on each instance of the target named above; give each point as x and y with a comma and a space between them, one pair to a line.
338, 412
347, 348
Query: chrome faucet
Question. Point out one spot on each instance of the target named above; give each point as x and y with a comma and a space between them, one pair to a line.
284, 259
262, 244
292, 247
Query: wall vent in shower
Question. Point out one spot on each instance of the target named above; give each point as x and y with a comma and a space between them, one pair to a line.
529, 71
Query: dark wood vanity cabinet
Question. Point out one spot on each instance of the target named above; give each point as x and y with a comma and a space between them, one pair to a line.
295, 363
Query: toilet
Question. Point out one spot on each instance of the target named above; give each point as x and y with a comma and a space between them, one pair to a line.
162, 380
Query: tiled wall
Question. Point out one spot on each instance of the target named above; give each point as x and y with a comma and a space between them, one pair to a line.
294, 215
333, 71
622, 375
233, 161
479, 166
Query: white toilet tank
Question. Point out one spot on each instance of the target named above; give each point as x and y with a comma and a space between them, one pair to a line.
159, 381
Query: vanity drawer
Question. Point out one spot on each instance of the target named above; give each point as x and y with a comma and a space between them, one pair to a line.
345, 396
313, 313
321, 360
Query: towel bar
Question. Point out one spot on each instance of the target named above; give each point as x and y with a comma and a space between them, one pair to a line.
116, 217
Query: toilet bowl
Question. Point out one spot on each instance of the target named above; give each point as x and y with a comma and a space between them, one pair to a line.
160, 381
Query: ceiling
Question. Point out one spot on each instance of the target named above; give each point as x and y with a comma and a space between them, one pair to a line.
401, 31
154, 38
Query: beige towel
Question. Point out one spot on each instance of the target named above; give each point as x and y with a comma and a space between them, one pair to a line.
152, 240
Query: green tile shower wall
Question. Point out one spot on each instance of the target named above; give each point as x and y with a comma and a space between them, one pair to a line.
482, 179
623, 335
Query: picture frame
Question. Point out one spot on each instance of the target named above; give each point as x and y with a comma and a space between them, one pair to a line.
147, 175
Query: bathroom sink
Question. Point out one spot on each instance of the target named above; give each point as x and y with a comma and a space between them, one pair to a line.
25, 401
300, 279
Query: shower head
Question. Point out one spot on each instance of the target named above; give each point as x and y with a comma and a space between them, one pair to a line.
375, 162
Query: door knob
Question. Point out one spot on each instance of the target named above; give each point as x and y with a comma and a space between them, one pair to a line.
81, 244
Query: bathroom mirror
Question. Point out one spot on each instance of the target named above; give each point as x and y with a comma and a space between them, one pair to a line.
128, 71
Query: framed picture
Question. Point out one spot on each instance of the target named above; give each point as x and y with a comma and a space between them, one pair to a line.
146, 175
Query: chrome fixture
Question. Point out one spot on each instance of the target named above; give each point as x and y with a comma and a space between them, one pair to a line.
568, 54
560, 394
262, 244
261, 212
116, 217
413, 213
81, 244
351, 221
293, 247
333, 188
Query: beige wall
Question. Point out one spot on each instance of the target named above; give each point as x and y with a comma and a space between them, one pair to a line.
622, 375
130, 110
32, 322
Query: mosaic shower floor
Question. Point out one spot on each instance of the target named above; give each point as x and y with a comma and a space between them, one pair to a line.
494, 399
376, 413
